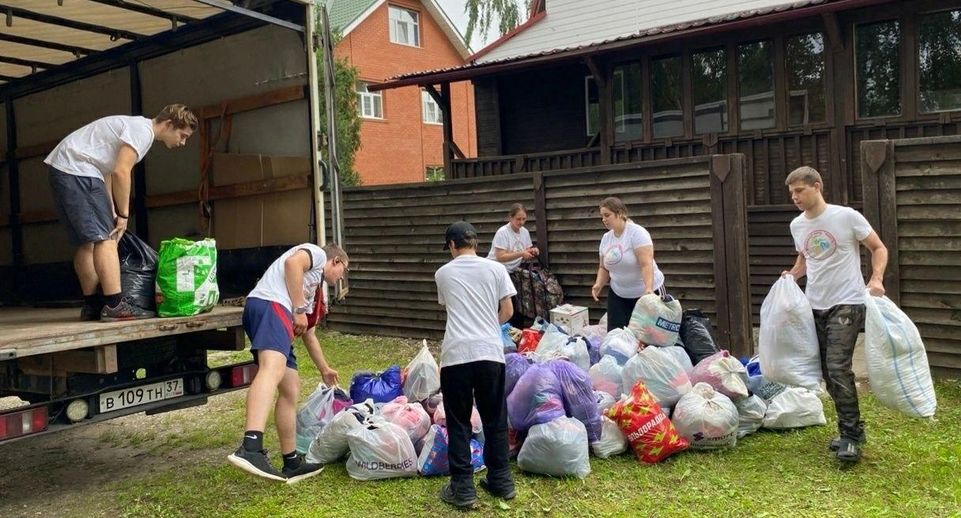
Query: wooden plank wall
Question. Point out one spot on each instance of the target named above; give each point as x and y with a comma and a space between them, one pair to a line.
395, 237
912, 196
694, 208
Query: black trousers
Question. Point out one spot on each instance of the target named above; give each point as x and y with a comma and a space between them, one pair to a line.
462, 385
838, 329
619, 310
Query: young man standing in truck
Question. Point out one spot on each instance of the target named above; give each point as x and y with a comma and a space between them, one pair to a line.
90, 176
287, 302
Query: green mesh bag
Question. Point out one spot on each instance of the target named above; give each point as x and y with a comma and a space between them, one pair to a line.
187, 277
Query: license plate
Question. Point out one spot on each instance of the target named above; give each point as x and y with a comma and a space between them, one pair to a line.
120, 399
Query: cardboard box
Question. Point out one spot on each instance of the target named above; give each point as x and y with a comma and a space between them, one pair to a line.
571, 318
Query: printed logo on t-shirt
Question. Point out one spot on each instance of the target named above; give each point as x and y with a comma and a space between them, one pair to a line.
613, 255
820, 244
517, 245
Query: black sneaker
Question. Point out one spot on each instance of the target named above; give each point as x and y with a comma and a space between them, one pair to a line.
503, 490
461, 499
125, 311
835, 443
304, 470
848, 450
255, 462
90, 313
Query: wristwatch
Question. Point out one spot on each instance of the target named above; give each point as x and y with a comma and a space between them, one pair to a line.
301, 310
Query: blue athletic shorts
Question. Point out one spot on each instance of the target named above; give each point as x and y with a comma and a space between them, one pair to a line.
269, 326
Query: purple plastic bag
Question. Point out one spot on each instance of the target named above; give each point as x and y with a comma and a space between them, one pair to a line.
578, 394
515, 366
536, 398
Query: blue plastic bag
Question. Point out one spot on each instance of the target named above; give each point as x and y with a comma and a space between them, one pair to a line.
433, 459
509, 345
382, 387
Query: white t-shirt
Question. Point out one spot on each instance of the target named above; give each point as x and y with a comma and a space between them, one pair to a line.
472, 287
273, 285
830, 246
618, 257
92, 150
510, 241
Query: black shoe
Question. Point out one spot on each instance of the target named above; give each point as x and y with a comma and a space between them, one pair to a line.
848, 450
255, 462
89, 313
125, 311
835, 443
503, 490
462, 499
304, 470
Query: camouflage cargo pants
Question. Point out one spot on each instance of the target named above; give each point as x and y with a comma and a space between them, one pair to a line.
837, 330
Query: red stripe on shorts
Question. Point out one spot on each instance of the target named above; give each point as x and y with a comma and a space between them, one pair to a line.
284, 317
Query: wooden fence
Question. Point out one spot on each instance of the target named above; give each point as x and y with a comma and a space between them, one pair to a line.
912, 197
695, 209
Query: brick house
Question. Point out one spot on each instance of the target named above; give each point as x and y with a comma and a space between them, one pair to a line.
402, 129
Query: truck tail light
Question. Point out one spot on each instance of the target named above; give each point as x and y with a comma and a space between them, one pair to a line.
24, 422
242, 375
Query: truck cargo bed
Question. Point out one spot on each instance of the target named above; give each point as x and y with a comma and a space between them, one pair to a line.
34, 331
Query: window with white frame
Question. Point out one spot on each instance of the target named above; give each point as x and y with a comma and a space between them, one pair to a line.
370, 105
404, 26
431, 110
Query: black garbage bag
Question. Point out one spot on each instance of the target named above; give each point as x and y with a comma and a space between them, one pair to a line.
697, 335
138, 271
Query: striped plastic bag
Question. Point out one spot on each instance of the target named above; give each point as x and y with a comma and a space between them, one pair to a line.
896, 361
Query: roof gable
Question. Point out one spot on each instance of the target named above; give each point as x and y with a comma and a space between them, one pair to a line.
346, 15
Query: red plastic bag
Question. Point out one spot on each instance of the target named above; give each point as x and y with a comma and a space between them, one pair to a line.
651, 434
529, 340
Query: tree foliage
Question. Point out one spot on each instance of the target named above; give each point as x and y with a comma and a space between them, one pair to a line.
482, 14
348, 119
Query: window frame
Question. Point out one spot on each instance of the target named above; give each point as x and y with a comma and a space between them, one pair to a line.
588, 79
425, 99
378, 96
916, 57
903, 64
392, 31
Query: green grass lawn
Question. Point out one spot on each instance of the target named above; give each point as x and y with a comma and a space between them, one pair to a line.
910, 468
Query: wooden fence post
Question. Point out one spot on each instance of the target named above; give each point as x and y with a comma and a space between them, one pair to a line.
880, 205
540, 212
731, 263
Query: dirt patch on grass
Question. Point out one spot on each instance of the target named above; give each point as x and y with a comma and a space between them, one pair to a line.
66, 472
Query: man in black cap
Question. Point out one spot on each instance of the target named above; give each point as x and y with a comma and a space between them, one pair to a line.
477, 294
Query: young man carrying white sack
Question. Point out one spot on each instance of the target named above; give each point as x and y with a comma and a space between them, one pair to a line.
828, 238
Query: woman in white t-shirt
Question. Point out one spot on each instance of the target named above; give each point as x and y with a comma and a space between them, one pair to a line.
627, 261
512, 246
512, 242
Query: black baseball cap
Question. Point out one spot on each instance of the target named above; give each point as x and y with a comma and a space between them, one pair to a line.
458, 232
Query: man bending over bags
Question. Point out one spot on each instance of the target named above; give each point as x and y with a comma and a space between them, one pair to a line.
286, 303
826, 237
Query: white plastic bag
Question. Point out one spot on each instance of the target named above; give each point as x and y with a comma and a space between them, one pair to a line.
723, 372
380, 450
662, 376
896, 360
604, 400
794, 407
318, 410
620, 344
750, 411
558, 448
423, 376
680, 356
788, 341
656, 320
410, 416
612, 442
555, 344
706, 418
331, 445
606, 376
